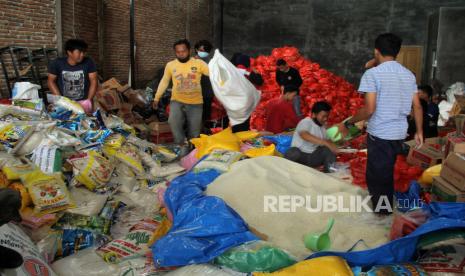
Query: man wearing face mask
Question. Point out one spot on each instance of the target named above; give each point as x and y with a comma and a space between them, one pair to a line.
186, 97
203, 49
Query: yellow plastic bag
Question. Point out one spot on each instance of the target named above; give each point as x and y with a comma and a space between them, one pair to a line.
222, 140
162, 229
113, 143
48, 192
322, 266
15, 169
25, 197
128, 155
257, 152
94, 170
247, 135
426, 179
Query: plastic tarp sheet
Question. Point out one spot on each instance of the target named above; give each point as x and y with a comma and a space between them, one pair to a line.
282, 142
203, 226
443, 215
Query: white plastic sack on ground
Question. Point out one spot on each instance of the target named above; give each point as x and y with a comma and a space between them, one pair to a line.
251, 183
444, 108
85, 262
457, 88
237, 94
25, 91
12, 237
203, 270
87, 202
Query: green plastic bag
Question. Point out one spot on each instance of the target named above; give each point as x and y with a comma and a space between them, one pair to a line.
255, 256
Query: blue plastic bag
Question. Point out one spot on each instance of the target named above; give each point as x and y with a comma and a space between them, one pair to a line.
203, 227
282, 142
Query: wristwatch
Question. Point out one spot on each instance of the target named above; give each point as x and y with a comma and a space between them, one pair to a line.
348, 125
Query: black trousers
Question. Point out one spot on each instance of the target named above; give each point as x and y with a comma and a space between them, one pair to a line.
245, 126
321, 156
382, 156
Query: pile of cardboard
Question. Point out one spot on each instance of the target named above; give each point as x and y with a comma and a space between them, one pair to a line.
120, 100
450, 185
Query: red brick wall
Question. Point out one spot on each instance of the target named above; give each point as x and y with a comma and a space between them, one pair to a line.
85, 23
29, 23
158, 24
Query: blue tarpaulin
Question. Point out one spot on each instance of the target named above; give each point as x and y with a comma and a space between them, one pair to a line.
443, 215
203, 226
282, 142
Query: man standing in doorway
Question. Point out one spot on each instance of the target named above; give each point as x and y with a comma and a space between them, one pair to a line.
389, 90
186, 99
73, 76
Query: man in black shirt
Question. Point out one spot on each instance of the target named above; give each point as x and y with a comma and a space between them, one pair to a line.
430, 111
73, 76
288, 76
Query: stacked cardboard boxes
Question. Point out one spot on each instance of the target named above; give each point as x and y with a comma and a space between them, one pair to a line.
450, 185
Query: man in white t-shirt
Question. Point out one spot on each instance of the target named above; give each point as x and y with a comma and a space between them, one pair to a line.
310, 146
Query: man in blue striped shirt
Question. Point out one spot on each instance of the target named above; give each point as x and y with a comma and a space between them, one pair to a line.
389, 89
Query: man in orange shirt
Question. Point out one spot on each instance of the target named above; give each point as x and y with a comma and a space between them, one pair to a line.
280, 113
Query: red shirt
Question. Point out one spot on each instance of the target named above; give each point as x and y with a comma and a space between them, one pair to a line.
280, 115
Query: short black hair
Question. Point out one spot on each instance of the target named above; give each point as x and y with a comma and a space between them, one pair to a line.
290, 88
427, 89
281, 62
388, 44
240, 59
75, 44
206, 45
321, 106
182, 42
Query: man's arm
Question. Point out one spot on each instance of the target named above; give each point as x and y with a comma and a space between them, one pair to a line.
52, 85
92, 86
162, 86
365, 112
317, 141
298, 78
418, 115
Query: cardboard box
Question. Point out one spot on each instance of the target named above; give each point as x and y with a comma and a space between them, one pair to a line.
123, 88
444, 191
109, 99
136, 97
453, 170
428, 155
125, 112
161, 132
455, 143
111, 84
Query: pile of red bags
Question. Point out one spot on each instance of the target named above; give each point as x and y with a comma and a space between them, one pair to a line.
318, 85
403, 173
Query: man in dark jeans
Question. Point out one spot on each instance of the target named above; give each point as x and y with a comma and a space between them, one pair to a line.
389, 90
203, 50
310, 145
288, 76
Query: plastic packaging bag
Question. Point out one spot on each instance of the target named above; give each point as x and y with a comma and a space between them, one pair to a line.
188, 161
15, 168
47, 158
128, 155
257, 152
134, 244
237, 94
405, 223
255, 256
220, 160
282, 142
457, 88
94, 224
203, 270
65, 103
48, 192
426, 178
444, 260
323, 266
11, 134
35, 221
394, 270
94, 170
12, 237
25, 90
87, 203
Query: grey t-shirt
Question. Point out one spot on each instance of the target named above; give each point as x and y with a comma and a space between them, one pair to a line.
308, 125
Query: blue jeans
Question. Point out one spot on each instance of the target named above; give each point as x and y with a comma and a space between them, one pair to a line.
179, 112
296, 105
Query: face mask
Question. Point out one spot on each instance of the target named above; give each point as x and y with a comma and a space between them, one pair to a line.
184, 60
202, 54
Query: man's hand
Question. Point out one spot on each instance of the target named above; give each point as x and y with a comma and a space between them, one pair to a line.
332, 147
370, 64
155, 104
419, 139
